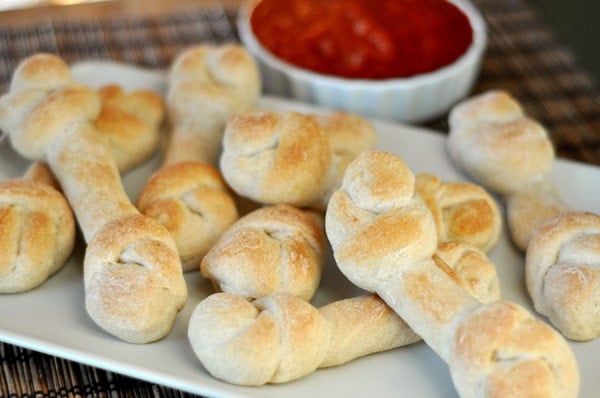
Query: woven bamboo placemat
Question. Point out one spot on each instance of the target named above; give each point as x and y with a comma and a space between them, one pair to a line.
522, 57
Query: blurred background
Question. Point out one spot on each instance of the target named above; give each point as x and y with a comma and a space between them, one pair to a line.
575, 24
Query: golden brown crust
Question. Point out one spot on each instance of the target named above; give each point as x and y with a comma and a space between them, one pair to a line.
496, 144
513, 156
348, 135
41, 90
40, 172
274, 339
188, 195
45, 122
207, 84
462, 211
425, 292
561, 272
133, 282
274, 249
266, 157
131, 123
192, 201
37, 234
134, 285
501, 350
377, 208
41, 71
528, 208
89, 179
358, 326
145, 105
474, 270
363, 325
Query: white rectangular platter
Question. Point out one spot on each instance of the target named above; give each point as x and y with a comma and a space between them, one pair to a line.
52, 318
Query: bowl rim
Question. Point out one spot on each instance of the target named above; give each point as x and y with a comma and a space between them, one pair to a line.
473, 54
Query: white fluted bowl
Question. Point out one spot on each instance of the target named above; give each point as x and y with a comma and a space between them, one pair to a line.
413, 99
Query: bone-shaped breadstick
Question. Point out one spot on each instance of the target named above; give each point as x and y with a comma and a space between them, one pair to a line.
281, 337
207, 84
494, 142
278, 331
40, 236
357, 326
134, 285
383, 238
188, 195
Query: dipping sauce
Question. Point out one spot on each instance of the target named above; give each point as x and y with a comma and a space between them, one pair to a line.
363, 39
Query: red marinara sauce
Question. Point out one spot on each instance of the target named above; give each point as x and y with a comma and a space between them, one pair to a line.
363, 39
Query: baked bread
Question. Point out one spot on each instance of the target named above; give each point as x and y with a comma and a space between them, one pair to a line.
206, 84
193, 202
472, 269
348, 135
273, 339
188, 195
462, 211
40, 172
558, 273
500, 350
274, 249
131, 123
40, 236
365, 324
497, 145
51, 117
384, 239
37, 232
562, 276
358, 326
266, 159
529, 207
133, 280
493, 141
280, 338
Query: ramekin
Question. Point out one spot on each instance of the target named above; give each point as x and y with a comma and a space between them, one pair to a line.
410, 100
